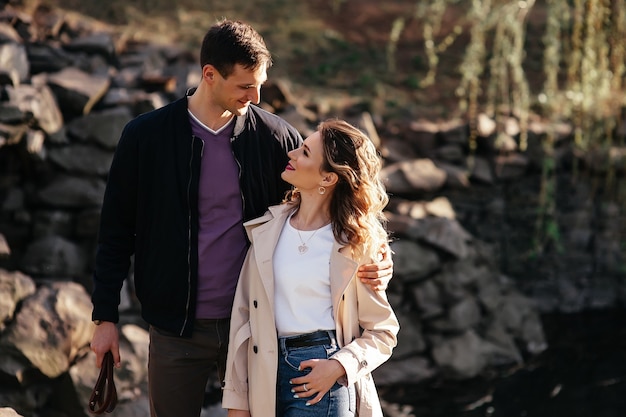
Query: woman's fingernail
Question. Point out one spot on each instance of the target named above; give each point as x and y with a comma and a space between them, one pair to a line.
292, 390
307, 404
296, 396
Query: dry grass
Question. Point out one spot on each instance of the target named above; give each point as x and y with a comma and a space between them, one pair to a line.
283, 23
313, 47
325, 48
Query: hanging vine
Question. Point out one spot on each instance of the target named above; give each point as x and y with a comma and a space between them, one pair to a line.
546, 226
584, 65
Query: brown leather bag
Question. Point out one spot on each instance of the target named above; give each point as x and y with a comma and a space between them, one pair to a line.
104, 395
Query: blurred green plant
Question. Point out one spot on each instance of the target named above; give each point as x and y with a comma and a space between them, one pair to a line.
584, 43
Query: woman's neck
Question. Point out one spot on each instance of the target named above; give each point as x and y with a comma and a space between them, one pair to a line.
312, 214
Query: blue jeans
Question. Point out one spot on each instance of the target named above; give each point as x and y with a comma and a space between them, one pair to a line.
340, 401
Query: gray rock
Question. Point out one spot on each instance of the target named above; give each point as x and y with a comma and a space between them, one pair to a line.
14, 62
447, 235
82, 159
512, 166
464, 315
14, 287
407, 371
413, 261
52, 327
411, 335
480, 170
5, 250
72, 192
95, 43
428, 300
12, 114
101, 127
77, 91
52, 222
422, 137
460, 356
454, 131
38, 100
413, 176
53, 256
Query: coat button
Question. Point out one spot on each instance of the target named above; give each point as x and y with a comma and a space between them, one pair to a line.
255, 304
364, 363
255, 349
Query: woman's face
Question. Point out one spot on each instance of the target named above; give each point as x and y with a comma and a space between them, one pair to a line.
304, 169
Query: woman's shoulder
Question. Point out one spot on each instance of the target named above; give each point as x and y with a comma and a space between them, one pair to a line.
271, 213
259, 220
276, 213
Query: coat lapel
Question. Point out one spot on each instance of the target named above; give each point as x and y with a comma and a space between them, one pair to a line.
264, 237
342, 269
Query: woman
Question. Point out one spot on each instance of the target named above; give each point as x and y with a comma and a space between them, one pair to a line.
305, 333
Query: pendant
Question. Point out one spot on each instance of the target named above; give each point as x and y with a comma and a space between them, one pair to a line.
302, 249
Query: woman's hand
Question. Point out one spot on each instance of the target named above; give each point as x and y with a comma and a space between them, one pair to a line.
324, 373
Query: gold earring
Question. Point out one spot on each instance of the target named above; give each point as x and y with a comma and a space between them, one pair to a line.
321, 190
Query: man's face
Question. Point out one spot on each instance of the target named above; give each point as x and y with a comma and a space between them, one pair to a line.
242, 87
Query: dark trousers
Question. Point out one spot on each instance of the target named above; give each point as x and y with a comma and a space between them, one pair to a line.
179, 368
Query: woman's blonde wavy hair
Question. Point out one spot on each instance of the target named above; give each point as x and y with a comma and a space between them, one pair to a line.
359, 197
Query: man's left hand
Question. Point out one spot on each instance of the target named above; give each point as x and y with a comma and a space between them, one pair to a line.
377, 275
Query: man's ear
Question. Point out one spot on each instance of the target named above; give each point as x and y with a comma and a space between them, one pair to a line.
208, 72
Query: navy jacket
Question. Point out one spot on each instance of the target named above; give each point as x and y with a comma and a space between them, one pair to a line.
150, 208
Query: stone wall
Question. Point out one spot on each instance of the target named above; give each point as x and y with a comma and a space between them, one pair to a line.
568, 254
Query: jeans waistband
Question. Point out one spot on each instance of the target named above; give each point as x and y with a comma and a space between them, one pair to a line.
319, 337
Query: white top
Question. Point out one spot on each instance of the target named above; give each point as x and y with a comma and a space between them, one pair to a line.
208, 129
302, 299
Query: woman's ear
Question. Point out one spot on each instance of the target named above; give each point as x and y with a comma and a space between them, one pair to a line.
329, 179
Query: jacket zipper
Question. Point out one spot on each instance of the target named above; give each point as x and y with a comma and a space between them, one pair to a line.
193, 139
243, 199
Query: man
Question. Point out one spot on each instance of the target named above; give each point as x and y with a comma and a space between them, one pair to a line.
183, 180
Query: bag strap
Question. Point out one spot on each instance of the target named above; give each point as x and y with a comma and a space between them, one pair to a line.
104, 395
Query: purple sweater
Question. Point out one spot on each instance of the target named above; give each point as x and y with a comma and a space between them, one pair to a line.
222, 242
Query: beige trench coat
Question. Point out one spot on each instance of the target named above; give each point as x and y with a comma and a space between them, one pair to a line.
252, 363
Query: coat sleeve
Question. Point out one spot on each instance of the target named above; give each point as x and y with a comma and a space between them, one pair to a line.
235, 392
116, 236
374, 345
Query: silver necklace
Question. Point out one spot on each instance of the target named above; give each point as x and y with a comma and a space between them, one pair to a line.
303, 248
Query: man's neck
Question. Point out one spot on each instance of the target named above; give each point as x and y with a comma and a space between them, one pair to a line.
211, 116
